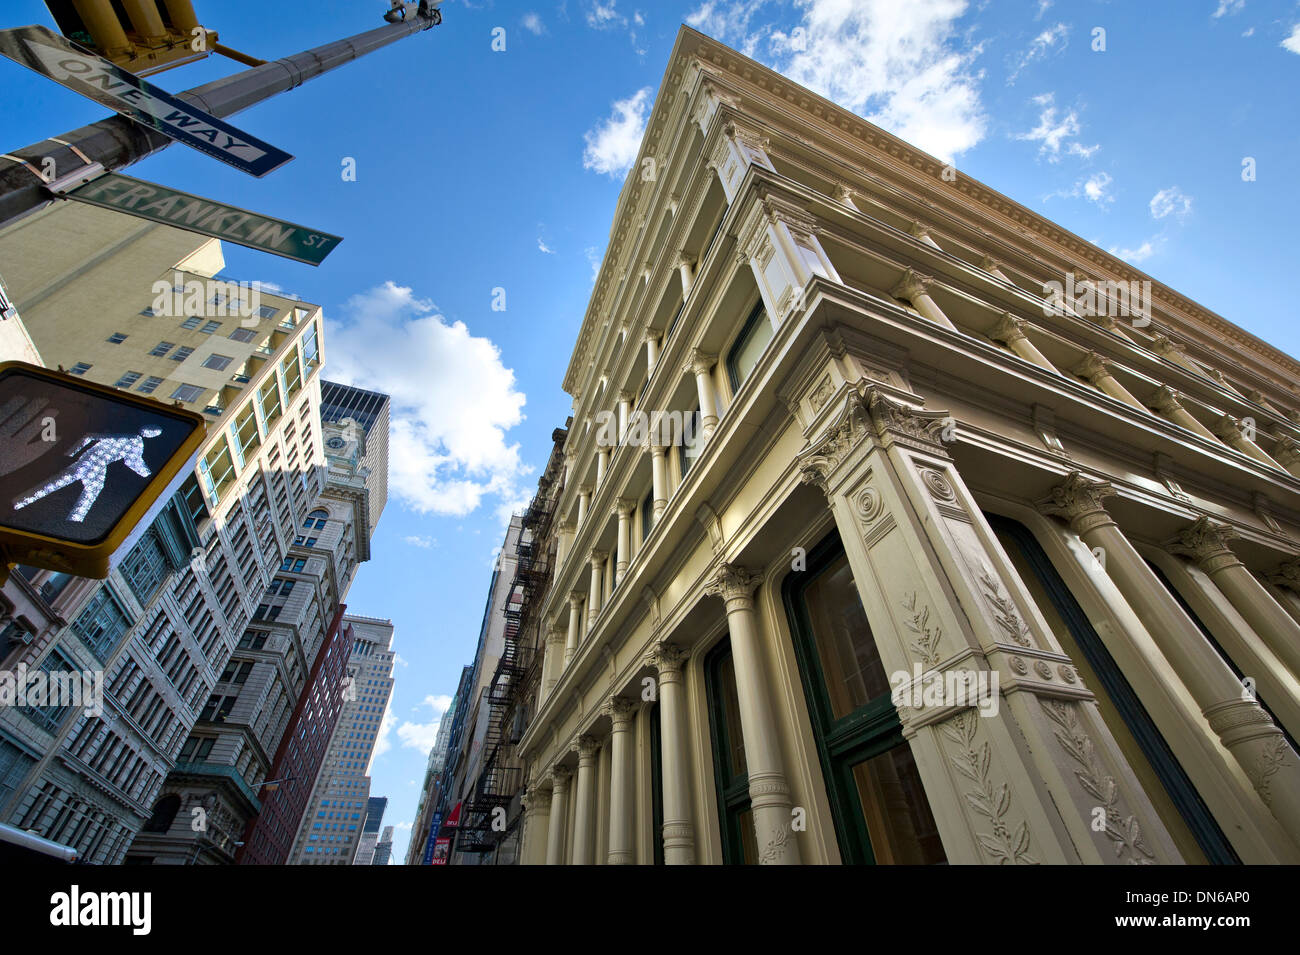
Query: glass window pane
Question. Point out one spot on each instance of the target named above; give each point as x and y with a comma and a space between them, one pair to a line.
749, 348
846, 649
899, 821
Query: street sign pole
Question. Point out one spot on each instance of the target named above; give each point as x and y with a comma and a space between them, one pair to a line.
118, 142
183, 210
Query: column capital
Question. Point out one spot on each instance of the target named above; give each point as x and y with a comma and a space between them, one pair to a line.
1227, 429
1166, 401
576, 598
1093, 367
621, 712
668, 659
732, 582
626, 394
698, 362
567, 527
585, 489
598, 555
990, 264
683, 258
560, 776
1165, 346
912, 283
555, 633
750, 136
1206, 542
1287, 451
844, 192
623, 507
1079, 500
1008, 329
919, 230
1287, 575
588, 746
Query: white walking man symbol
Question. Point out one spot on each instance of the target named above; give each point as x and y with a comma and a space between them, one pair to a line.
101, 450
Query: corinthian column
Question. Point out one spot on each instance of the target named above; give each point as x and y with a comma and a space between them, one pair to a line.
623, 508
679, 830
1229, 430
1011, 330
658, 477
1206, 542
699, 365
913, 288
584, 810
1097, 370
537, 815
1243, 727
595, 599
575, 628
622, 804
769, 793
1165, 400
559, 814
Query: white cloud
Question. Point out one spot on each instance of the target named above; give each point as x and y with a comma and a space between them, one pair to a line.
421, 736
1169, 202
533, 24
1043, 7
1141, 253
897, 64
1292, 42
543, 247
452, 399
1228, 7
401, 661
612, 144
593, 259
1043, 44
1249, 32
417, 541
605, 16
1055, 133
1096, 186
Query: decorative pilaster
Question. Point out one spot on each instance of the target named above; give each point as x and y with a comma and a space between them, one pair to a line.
947, 608
778, 238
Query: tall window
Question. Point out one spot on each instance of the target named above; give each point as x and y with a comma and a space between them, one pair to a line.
1176, 801
49, 717
749, 346
647, 515
269, 396
656, 785
102, 624
145, 568
730, 773
879, 806
692, 442
316, 520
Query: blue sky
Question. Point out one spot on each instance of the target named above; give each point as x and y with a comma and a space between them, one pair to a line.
479, 170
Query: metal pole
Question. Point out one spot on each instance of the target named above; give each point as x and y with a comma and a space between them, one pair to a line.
118, 142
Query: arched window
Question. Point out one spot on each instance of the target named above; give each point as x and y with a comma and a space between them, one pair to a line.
164, 811
316, 519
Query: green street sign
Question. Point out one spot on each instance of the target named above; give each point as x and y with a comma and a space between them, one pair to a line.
148, 200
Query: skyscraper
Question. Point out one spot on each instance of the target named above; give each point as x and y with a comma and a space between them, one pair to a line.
331, 827
373, 819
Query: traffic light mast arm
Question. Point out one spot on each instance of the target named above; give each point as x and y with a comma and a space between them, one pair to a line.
118, 142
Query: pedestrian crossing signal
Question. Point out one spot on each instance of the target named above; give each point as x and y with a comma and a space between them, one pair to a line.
80, 465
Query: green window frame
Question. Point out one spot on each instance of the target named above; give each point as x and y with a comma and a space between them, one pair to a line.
859, 736
730, 772
755, 327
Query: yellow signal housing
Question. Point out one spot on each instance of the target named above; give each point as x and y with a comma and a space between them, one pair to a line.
143, 36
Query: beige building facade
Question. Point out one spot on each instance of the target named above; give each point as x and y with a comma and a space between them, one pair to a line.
980, 546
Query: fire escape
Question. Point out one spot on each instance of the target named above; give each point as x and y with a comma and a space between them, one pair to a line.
517, 672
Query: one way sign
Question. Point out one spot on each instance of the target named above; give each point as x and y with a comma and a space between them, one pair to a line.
44, 51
